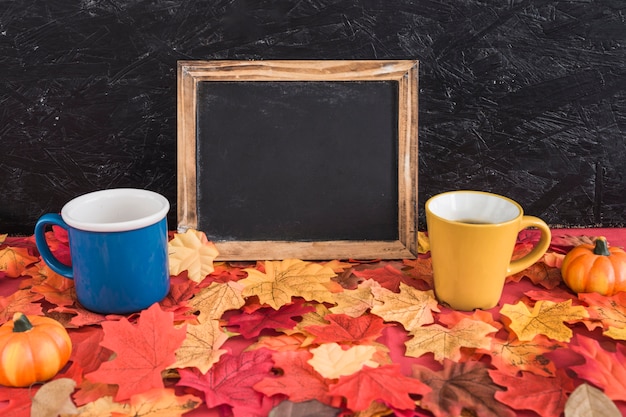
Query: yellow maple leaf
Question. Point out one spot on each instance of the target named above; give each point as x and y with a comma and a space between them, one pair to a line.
284, 279
547, 318
3, 237
446, 343
355, 302
410, 307
615, 333
192, 252
201, 347
211, 302
332, 361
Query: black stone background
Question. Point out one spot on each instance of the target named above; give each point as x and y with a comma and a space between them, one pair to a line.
523, 98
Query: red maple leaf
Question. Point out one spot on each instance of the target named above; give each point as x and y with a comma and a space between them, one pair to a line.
181, 290
544, 395
421, 269
460, 386
143, 351
231, 380
252, 324
21, 301
86, 348
384, 383
297, 379
19, 401
343, 328
388, 277
602, 368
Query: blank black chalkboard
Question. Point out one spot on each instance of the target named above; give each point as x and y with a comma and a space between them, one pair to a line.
273, 166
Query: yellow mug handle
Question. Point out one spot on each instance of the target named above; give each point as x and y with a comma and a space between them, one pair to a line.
538, 251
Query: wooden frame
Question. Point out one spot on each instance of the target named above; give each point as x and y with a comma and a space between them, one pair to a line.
405, 72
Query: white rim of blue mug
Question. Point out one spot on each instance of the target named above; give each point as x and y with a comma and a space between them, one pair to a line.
157, 210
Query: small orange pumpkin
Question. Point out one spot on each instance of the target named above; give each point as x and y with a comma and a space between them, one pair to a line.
595, 268
32, 349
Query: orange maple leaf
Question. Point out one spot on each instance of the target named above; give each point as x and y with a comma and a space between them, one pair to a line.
605, 311
511, 356
13, 261
21, 301
385, 383
143, 351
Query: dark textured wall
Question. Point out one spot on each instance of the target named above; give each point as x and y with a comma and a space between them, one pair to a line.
523, 98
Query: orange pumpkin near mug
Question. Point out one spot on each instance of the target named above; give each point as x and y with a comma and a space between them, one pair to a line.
595, 268
32, 349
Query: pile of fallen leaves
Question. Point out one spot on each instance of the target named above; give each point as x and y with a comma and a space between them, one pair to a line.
332, 338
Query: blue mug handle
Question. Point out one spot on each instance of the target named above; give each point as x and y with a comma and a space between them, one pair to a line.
43, 248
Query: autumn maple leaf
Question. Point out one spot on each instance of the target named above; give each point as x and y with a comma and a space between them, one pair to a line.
211, 302
605, 311
231, 382
250, 325
143, 351
447, 343
384, 383
346, 329
285, 279
296, 378
546, 318
21, 301
155, 402
540, 274
544, 395
410, 307
388, 277
357, 301
192, 252
16, 402
13, 261
460, 386
602, 368
511, 356
332, 361
201, 347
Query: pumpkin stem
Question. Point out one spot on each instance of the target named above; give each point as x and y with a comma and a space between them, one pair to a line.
21, 323
602, 247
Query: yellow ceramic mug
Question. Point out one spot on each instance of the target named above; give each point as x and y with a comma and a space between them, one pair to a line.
472, 237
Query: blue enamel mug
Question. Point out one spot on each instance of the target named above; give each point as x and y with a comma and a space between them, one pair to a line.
118, 248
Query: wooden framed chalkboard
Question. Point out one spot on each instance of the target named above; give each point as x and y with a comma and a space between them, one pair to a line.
299, 159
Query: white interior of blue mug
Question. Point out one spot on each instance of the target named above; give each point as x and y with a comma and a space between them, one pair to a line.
474, 207
115, 210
